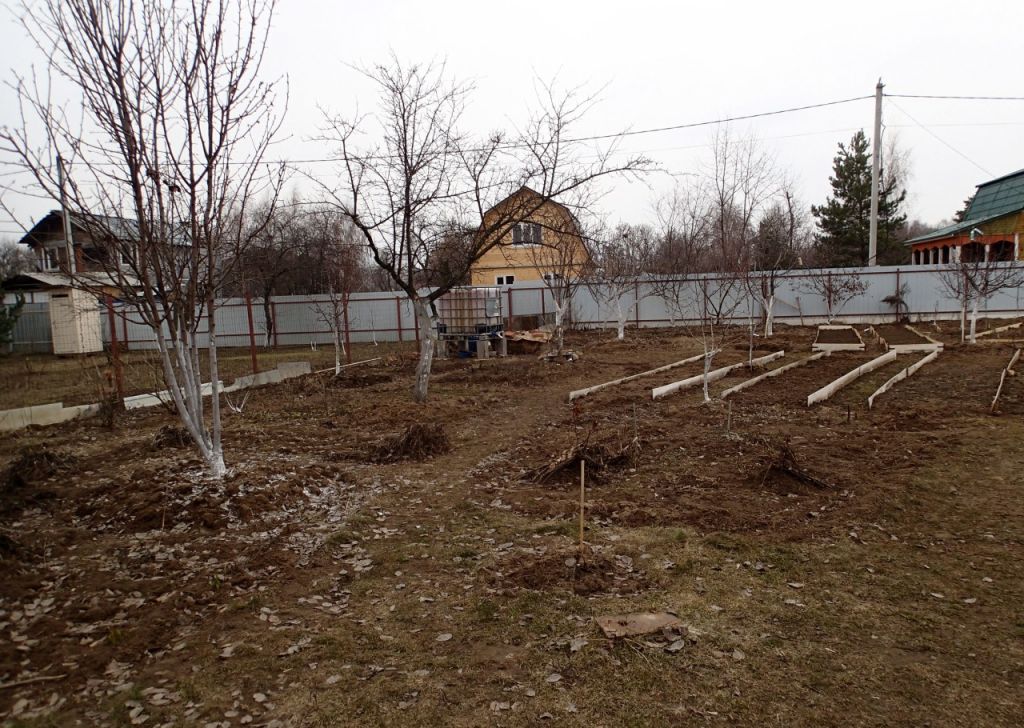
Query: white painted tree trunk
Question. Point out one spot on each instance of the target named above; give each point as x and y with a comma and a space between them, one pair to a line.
709, 355
558, 335
769, 316
974, 321
338, 350
621, 314
425, 323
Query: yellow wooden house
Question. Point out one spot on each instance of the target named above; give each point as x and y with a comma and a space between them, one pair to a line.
542, 239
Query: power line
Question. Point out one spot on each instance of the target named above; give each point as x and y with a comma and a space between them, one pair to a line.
955, 98
940, 139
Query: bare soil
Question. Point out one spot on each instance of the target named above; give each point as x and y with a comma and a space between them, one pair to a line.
899, 335
311, 587
837, 336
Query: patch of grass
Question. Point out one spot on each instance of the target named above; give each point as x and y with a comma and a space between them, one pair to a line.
485, 611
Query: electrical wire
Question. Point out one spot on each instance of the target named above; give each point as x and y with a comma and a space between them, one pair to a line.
940, 139
955, 98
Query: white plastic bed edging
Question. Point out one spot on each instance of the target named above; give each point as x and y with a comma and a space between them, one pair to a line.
908, 372
773, 373
829, 389
712, 376
577, 393
997, 330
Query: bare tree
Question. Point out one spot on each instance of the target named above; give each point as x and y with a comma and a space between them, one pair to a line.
342, 274
426, 182
619, 261
164, 163
14, 259
835, 288
682, 251
973, 276
782, 233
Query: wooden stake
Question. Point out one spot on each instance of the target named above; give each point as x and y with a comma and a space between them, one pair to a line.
1002, 379
583, 475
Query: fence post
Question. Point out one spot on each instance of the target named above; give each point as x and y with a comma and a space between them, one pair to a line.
398, 314
543, 311
115, 353
348, 339
273, 314
509, 292
252, 335
636, 303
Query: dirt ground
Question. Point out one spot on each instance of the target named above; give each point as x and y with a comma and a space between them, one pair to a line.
322, 584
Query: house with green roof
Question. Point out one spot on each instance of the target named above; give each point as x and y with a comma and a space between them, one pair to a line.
991, 228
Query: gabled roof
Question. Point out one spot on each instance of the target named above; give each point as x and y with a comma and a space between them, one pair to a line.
996, 198
999, 197
122, 228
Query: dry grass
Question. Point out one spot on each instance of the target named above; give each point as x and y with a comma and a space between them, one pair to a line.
891, 598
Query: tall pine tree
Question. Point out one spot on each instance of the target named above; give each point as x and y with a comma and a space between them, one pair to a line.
844, 219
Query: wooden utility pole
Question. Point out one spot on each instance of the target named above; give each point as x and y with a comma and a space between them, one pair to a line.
876, 169
69, 245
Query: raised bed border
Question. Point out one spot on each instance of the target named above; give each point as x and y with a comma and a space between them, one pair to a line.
712, 376
577, 393
773, 373
929, 344
838, 347
900, 376
853, 375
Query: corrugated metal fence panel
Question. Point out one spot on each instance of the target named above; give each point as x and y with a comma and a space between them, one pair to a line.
388, 315
32, 331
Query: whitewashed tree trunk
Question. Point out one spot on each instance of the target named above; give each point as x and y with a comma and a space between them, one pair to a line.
974, 320
215, 460
621, 313
769, 316
425, 324
338, 349
709, 355
558, 335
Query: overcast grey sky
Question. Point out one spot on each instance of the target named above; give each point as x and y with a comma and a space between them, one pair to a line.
665, 63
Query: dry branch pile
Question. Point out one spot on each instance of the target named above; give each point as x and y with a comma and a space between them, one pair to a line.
418, 441
599, 457
31, 465
782, 460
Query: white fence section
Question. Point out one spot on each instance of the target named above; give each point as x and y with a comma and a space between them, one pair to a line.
388, 315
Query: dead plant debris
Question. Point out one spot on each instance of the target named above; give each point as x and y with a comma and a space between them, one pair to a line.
418, 441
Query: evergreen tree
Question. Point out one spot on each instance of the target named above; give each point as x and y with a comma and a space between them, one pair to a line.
9, 317
844, 219
961, 214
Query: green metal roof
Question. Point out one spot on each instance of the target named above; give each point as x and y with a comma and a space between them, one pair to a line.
953, 229
998, 197
995, 198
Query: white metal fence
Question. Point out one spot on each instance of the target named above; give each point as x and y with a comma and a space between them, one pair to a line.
388, 315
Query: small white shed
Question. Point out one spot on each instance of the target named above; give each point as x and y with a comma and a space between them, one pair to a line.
75, 322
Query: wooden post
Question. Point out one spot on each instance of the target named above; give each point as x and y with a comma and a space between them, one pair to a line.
252, 335
273, 312
509, 293
636, 304
583, 474
348, 338
115, 353
543, 307
398, 315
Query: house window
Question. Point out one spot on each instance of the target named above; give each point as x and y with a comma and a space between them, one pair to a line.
505, 280
526, 233
552, 277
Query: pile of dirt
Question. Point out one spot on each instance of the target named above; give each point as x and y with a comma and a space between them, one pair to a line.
595, 573
510, 373
171, 436
418, 441
19, 482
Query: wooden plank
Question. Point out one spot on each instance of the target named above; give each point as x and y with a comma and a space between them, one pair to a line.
908, 372
712, 376
829, 389
773, 373
577, 393
997, 330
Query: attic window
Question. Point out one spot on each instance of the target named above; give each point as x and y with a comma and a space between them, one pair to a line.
505, 280
526, 233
